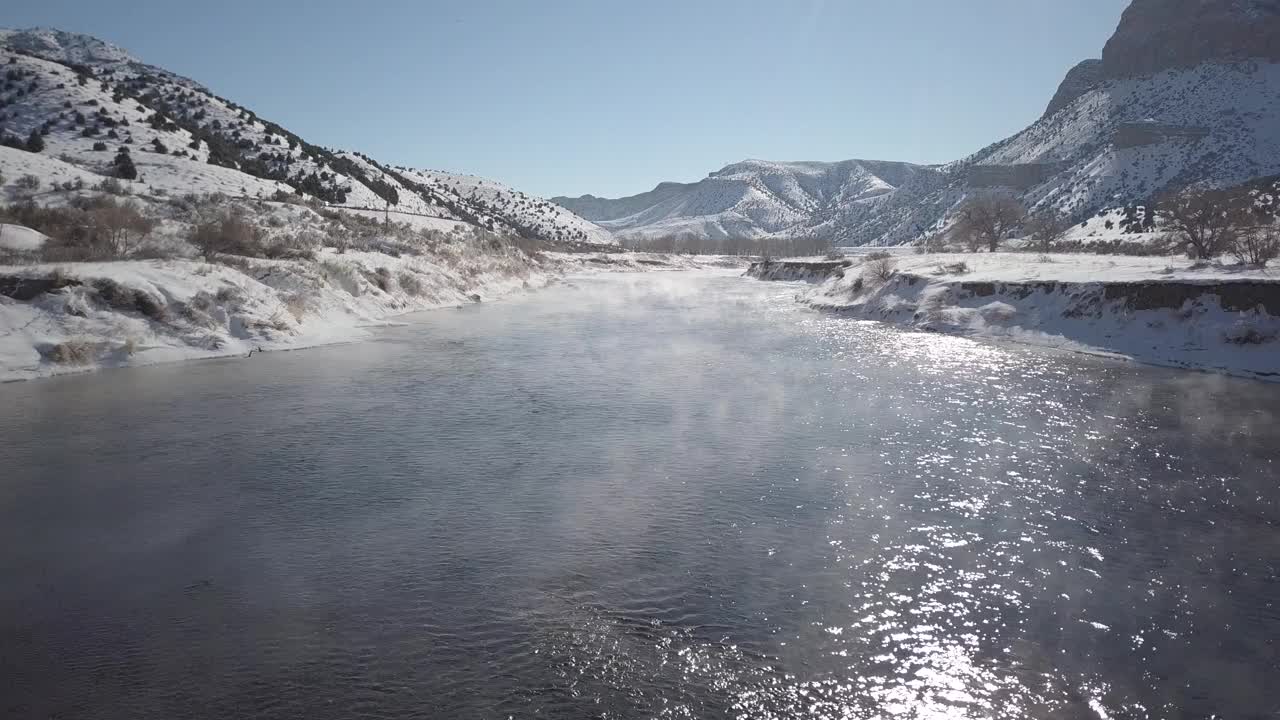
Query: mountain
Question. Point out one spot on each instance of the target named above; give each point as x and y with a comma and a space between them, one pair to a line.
757, 198
87, 98
1187, 92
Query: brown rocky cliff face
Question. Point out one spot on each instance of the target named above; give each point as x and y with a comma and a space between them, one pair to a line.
1078, 81
1156, 35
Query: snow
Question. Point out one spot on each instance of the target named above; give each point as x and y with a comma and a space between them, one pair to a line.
122, 96
16, 237
753, 198
1079, 268
213, 310
862, 202
1157, 310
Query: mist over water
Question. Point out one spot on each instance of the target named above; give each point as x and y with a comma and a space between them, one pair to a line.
652, 495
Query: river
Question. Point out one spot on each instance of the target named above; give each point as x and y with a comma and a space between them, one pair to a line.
650, 495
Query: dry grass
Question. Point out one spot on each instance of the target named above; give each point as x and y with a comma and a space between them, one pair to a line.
298, 306
410, 283
78, 351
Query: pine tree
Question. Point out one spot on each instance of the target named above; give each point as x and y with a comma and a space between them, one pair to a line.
124, 165
35, 143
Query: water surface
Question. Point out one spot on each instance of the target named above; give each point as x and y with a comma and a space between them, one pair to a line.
660, 495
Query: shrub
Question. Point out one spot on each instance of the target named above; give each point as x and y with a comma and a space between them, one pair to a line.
28, 182
117, 296
299, 246
881, 268
232, 234
410, 283
229, 295
112, 186
298, 305
932, 243
72, 352
118, 226
99, 146
1257, 246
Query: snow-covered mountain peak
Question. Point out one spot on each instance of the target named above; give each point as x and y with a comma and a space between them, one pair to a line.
64, 47
88, 101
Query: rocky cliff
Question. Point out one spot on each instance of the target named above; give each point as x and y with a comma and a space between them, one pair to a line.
1156, 35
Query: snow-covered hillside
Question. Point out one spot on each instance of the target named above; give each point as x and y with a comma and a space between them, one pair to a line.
86, 100
754, 198
1158, 310
1171, 105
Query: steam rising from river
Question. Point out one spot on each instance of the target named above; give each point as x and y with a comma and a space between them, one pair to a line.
668, 495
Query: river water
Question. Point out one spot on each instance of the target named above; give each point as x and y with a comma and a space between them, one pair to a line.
655, 495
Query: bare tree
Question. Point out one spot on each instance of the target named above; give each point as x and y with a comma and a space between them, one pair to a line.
880, 266
119, 226
986, 220
1203, 222
1044, 229
1257, 245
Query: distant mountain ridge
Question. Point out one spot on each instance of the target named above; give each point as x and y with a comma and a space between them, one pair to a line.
753, 198
88, 98
1187, 92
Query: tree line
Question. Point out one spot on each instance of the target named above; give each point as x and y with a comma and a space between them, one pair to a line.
743, 246
1201, 223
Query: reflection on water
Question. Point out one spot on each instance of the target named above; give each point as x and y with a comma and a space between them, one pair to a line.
663, 495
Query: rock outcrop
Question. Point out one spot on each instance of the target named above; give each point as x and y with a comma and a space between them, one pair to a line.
1155, 35
1079, 80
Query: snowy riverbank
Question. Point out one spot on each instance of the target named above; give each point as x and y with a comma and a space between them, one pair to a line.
1157, 310
73, 317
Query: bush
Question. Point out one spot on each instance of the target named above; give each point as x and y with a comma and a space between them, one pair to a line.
410, 283
298, 246
71, 352
881, 268
1257, 246
232, 235
932, 243
99, 146
119, 297
298, 306
27, 182
112, 186
118, 226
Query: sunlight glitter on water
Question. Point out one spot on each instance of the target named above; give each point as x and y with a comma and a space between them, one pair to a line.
679, 497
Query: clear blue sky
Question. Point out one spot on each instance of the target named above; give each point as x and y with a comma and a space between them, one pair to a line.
611, 97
